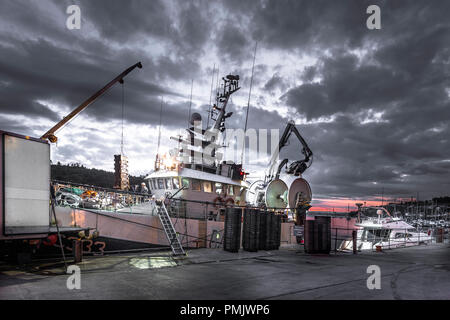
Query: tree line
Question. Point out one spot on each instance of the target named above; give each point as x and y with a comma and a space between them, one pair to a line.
78, 173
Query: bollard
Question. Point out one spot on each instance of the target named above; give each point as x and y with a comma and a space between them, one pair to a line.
354, 241
77, 247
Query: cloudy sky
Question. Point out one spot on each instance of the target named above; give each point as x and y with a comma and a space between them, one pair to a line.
373, 105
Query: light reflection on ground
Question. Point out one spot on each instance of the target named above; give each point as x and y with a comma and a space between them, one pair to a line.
152, 262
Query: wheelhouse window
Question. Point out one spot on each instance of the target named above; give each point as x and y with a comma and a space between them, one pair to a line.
153, 183
230, 190
160, 184
168, 183
218, 187
207, 187
403, 235
185, 182
176, 183
375, 235
196, 186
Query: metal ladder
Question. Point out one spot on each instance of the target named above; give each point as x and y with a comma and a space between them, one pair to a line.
169, 229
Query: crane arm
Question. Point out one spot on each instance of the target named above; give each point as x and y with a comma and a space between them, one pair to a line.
50, 134
297, 167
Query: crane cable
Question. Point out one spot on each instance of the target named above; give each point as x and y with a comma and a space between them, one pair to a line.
123, 105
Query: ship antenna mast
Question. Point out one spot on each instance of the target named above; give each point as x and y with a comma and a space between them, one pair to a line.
217, 84
248, 104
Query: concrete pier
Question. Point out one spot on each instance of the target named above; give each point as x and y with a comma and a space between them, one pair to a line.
421, 272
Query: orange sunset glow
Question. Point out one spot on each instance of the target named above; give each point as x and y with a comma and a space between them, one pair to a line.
344, 205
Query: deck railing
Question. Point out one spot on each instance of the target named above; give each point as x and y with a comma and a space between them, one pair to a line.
93, 197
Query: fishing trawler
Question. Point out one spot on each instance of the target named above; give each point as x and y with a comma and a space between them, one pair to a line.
192, 181
195, 170
192, 185
190, 189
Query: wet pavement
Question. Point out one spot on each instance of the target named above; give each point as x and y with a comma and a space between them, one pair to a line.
421, 272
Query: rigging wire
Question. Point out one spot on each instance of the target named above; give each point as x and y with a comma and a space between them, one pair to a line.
190, 103
210, 94
160, 122
248, 104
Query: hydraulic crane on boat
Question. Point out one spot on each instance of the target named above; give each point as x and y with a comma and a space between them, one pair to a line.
291, 191
297, 167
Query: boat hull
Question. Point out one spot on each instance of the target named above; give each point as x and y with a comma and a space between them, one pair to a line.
124, 231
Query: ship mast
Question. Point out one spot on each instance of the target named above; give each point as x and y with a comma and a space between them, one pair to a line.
206, 138
230, 86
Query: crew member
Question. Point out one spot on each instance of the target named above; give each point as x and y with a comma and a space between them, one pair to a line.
143, 188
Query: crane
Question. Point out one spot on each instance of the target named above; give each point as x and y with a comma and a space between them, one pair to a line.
273, 192
50, 134
297, 167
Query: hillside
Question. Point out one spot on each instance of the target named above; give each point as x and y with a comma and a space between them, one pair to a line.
77, 173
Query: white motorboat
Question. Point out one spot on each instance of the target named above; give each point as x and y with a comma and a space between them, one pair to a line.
385, 232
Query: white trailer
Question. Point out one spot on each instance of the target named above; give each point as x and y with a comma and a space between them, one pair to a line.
24, 187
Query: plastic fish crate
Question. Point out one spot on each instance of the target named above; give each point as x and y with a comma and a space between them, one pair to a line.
318, 235
232, 231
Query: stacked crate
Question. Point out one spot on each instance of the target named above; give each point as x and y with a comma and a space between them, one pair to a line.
277, 232
318, 235
250, 236
232, 232
270, 231
262, 229
121, 178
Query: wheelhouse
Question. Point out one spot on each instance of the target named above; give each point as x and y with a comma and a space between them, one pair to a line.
203, 194
172, 184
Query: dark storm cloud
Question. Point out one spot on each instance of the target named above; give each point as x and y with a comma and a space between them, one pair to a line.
51, 68
130, 22
29, 74
232, 42
309, 73
400, 84
384, 94
352, 159
275, 82
184, 25
309, 25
